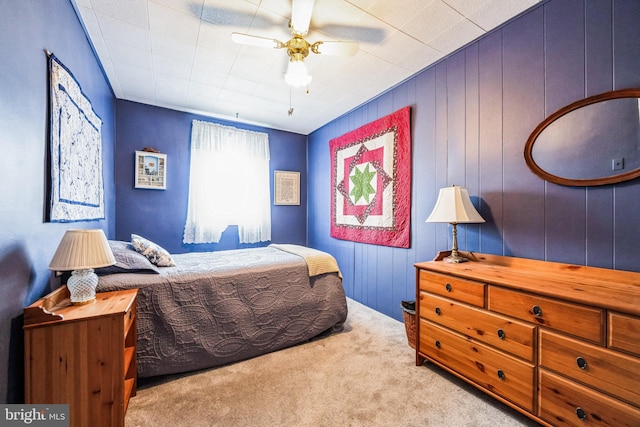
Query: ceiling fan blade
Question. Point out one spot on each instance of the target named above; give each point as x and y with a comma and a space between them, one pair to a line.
246, 39
335, 48
301, 16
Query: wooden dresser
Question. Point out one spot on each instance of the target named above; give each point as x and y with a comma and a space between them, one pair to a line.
82, 355
557, 342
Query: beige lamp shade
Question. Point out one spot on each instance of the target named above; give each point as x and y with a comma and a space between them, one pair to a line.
454, 207
82, 249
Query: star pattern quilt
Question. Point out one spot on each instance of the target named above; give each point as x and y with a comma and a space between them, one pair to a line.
371, 182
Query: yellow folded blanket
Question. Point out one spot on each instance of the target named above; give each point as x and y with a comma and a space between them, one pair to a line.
318, 262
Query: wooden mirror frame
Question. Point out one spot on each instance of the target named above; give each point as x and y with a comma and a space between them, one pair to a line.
528, 148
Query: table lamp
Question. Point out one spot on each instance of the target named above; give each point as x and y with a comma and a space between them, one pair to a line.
80, 251
454, 207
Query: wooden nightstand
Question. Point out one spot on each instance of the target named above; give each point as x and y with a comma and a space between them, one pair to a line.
82, 355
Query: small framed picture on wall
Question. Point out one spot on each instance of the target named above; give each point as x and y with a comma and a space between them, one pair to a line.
286, 188
151, 170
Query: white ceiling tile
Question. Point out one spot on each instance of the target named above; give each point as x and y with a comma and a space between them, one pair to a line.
129, 55
205, 90
268, 91
199, 102
210, 61
172, 48
457, 36
211, 36
433, 20
188, 7
114, 81
174, 90
92, 25
467, 7
397, 47
367, 30
496, 12
206, 76
134, 82
179, 69
363, 4
127, 72
398, 12
232, 97
239, 85
90, 21
330, 16
420, 58
123, 32
229, 13
131, 11
172, 24
142, 98
270, 24
281, 8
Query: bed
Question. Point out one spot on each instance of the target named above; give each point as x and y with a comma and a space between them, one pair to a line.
215, 308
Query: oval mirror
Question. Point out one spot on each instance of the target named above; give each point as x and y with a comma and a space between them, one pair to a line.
594, 141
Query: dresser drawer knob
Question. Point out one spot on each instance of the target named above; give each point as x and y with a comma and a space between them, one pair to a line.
437, 344
536, 310
582, 415
501, 374
501, 334
582, 364
438, 312
448, 287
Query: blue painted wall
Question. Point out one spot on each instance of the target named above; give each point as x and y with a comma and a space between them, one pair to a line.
27, 242
471, 116
160, 215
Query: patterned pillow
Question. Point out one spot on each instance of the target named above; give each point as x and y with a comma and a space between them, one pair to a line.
154, 253
127, 261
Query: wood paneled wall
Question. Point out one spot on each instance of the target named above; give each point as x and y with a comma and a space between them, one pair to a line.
471, 116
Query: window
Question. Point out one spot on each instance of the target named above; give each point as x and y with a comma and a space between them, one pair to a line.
228, 184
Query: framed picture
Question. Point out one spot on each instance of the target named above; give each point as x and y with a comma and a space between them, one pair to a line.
151, 170
286, 188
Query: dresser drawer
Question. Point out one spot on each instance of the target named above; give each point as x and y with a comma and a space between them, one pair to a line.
501, 374
582, 321
624, 333
562, 403
609, 371
515, 337
452, 287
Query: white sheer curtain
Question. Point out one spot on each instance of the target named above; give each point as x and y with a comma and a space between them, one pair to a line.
229, 184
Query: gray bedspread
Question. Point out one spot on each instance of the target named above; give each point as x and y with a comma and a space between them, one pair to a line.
215, 308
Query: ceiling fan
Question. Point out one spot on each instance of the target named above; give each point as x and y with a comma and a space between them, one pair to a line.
297, 47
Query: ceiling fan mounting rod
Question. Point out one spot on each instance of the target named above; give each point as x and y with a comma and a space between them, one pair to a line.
297, 48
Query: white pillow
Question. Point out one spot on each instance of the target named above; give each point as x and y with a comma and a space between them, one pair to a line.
154, 253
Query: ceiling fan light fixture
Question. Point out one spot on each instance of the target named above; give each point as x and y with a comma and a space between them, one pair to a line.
297, 75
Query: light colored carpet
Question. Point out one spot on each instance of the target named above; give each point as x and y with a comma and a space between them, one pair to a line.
363, 376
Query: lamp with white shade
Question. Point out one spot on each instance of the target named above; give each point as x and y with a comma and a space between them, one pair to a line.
454, 207
80, 251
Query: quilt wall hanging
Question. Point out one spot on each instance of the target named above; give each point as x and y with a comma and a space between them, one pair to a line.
75, 150
371, 182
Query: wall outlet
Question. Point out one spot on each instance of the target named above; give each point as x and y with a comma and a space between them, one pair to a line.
617, 164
